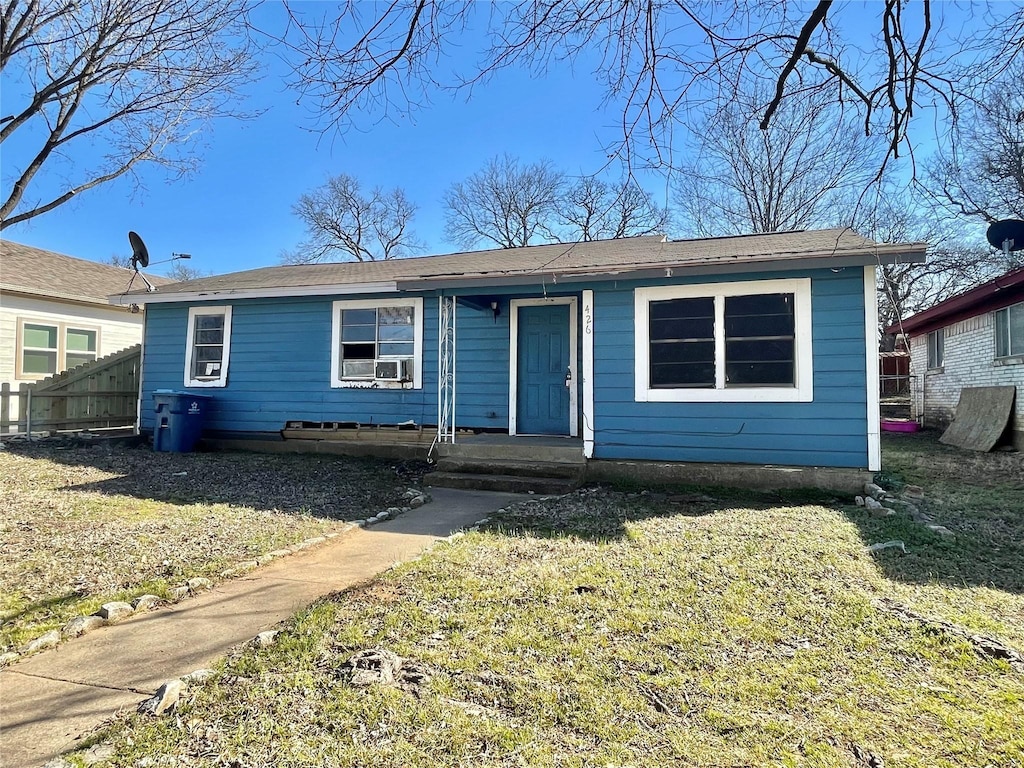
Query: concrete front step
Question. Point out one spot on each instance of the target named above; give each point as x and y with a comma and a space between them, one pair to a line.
516, 467
506, 483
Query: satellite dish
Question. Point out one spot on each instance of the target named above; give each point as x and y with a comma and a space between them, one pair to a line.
140, 256
1006, 235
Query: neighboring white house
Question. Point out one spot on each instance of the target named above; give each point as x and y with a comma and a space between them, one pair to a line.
55, 313
975, 339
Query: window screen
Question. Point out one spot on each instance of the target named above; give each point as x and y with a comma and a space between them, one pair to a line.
682, 338
759, 340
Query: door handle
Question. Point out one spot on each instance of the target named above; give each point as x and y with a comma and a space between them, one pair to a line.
568, 376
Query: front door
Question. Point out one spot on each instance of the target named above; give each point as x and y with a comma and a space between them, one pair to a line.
542, 406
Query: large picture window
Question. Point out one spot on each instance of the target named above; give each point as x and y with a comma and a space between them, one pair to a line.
377, 343
730, 342
1010, 331
48, 348
207, 349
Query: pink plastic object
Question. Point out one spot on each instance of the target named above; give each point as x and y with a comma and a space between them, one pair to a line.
900, 425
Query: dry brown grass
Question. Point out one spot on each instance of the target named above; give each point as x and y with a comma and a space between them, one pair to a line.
82, 526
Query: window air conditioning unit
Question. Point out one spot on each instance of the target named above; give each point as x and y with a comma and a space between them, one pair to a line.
393, 370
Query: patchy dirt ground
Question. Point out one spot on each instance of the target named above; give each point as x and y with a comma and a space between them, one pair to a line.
923, 455
82, 525
646, 628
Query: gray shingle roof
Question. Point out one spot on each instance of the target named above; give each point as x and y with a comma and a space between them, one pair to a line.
24, 269
603, 257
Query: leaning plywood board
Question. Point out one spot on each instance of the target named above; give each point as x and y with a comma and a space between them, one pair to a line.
981, 417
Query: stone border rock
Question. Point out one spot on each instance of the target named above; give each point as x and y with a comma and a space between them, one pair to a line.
113, 612
910, 501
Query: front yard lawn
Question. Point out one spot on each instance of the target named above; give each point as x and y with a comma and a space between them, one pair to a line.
85, 525
609, 628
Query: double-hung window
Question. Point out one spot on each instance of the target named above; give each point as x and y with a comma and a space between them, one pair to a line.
729, 342
936, 348
377, 343
208, 346
1010, 331
79, 347
48, 348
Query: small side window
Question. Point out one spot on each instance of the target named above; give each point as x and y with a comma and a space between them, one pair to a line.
208, 346
1010, 331
936, 348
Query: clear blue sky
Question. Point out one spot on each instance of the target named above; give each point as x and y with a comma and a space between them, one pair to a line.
235, 212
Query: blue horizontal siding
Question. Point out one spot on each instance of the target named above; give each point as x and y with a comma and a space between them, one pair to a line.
481, 368
280, 368
280, 371
830, 431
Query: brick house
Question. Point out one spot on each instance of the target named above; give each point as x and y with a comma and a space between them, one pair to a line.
975, 339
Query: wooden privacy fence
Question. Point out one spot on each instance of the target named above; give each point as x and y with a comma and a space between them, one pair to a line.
102, 393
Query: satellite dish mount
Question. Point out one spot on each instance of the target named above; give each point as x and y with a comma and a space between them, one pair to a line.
140, 258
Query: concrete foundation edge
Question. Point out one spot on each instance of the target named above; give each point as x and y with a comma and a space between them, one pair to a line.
400, 451
597, 470
730, 475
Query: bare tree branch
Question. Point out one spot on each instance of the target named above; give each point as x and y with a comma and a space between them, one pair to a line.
816, 19
980, 173
656, 59
954, 263
505, 203
593, 209
796, 174
344, 224
138, 77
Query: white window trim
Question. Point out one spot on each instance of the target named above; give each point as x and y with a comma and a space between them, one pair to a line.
803, 392
513, 362
417, 361
588, 374
1011, 355
871, 366
940, 349
222, 378
62, 326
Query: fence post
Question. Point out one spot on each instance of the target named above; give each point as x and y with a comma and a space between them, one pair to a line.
28, 414
5, 407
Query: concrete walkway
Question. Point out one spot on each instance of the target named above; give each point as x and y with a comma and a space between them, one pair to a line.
49, 700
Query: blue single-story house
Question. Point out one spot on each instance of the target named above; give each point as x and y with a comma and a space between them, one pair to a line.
748, 350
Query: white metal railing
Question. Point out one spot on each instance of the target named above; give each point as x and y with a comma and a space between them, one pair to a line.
446, 370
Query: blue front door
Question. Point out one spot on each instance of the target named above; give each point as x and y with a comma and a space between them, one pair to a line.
542, 363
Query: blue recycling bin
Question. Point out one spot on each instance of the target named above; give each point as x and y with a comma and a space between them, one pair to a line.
179, 420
